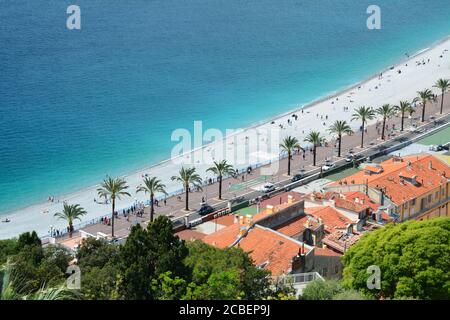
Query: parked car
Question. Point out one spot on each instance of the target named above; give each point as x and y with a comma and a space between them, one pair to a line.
205, 209
268, 187
328, 166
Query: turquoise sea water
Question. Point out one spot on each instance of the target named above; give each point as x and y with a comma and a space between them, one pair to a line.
77, 105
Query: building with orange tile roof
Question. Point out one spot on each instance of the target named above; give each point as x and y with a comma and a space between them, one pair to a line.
328, 262
407, 187
341, 241
331, 218
260, 235
269, 249
190, 235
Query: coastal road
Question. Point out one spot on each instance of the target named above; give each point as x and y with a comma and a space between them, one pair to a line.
246, 186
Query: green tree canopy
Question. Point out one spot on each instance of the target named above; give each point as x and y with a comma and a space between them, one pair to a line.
321, 290
414, 259
147, 254
227, 274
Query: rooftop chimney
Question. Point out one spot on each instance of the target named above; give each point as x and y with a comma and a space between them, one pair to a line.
290, 199
269, 208
307, 224
242, 231
430, 165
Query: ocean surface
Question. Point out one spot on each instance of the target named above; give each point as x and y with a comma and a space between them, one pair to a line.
76, 105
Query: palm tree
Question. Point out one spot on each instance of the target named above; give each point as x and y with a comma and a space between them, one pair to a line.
152, 185
70, 213
340, 128
425, 96
364, 114
220, 169
114, 189
7, 284
404, 107
316, 139
386, 111
444, 85
288, 145
188, 176
12, 287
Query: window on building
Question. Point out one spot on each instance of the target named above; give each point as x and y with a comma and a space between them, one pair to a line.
437, 195
413, 202
422, 203
430, 198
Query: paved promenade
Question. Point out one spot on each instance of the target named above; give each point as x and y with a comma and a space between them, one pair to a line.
249, 184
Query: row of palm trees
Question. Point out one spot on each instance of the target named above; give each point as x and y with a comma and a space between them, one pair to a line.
115, 188
365, 114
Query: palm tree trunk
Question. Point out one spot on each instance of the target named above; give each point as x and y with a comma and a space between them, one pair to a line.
220, 187
289, 163
403, 120
314, 156
442, 102
362, 136
339, 146
187, 199
152, 208
70, 230
112, 218
423, 111
384, 126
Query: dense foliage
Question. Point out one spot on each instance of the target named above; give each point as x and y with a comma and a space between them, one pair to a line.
329, 290
28, 268
155, 264
414, 259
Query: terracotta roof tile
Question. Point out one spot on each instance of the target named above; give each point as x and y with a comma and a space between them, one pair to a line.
326, 252
265, 246
400, 190
350, 205
293, 227
189, 235
332, 219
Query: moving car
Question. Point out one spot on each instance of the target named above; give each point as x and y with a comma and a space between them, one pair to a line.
435, 148
268, 187
350, 157
297, 177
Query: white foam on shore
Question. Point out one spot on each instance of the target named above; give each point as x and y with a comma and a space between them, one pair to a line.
391, 88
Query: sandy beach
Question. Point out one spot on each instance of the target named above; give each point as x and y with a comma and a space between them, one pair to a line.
250, 146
